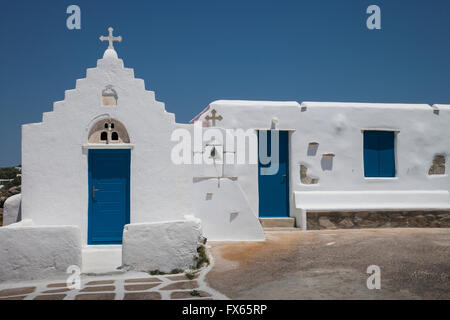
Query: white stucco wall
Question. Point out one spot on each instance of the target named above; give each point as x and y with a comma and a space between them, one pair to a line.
12, 209
162, 246
224, 210
217, 192
30, 252
55, 165
338, 128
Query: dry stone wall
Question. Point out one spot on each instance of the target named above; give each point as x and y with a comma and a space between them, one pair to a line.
378, 219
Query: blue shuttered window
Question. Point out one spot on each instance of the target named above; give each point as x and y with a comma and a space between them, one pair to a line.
379, 154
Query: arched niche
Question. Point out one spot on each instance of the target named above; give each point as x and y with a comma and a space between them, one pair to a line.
108, 131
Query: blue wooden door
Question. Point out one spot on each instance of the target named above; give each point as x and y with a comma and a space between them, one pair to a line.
274, 188
379, 154
109, 195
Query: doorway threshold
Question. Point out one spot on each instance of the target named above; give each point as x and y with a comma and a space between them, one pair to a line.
101, 259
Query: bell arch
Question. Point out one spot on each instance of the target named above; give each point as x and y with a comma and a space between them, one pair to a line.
108, 131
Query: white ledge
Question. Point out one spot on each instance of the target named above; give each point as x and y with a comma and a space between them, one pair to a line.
372, 200
108, 146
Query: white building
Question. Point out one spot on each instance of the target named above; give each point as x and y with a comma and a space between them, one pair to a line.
104, 157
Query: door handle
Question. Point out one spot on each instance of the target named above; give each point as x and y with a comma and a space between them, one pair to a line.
284, 178
93, 192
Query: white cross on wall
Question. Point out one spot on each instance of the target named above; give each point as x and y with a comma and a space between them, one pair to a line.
110, 38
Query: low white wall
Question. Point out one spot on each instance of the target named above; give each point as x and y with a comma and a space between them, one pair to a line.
162, 246
29, 252
12, 209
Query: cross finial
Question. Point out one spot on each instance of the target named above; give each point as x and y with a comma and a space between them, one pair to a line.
110, 38
213, 118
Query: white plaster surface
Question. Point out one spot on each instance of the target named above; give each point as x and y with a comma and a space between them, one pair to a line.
38, 252
12, 209
101, 259
225, 196
338, 127
219, 193
52, 151
373, 200
225, 213
162, 246
22, 223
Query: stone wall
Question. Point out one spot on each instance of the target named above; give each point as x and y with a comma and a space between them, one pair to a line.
438, 165
377, 219
304, 178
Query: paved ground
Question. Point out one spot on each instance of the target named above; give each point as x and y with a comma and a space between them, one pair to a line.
332, 264
101, 279
326, 264
126, 286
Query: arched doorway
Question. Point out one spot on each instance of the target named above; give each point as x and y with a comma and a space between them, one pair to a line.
109, 182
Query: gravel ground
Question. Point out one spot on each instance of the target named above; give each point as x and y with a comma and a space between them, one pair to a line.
332, 264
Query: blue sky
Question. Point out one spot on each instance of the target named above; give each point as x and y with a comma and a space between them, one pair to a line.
194, 52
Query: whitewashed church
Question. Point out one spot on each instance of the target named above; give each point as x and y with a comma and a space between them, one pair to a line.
339, 165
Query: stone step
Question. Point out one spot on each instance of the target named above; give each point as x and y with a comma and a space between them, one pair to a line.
284, 229
101, 259
277, 222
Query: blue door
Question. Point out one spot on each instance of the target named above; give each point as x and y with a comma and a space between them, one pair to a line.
274, 188
109, 195
379, 154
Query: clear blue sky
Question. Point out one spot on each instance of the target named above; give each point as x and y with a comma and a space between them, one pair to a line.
194, 52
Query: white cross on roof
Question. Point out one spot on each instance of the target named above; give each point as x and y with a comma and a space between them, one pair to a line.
110, 38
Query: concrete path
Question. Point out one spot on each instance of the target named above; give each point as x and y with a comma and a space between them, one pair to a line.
115, 286
332, 264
